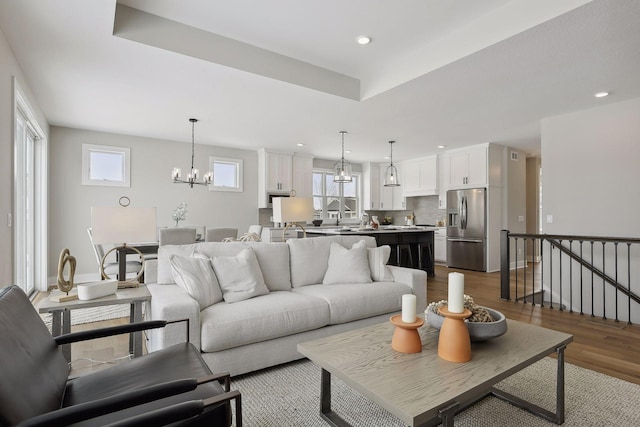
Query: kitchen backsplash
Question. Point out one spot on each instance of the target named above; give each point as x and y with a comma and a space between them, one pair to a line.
425, 209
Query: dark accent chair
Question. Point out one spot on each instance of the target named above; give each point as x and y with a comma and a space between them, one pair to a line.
173, 386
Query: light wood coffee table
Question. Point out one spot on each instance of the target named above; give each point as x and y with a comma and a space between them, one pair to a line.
423, 390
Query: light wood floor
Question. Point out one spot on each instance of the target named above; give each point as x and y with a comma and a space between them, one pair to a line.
604, 346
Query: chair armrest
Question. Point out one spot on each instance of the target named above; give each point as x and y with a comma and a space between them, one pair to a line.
181, 411
118, 402
109, 331
415, 278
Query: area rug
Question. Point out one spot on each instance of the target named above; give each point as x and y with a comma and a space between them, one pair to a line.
289, 395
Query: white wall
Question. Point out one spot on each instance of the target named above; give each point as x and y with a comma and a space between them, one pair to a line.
591, 171
151, 163
590, 184
9, 69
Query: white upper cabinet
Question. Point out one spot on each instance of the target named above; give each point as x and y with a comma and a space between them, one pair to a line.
371, 186
475, 166
420, 177
279, 169
302, 182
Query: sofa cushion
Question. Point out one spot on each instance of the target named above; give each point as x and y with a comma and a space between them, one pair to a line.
358, 300
273, 258
196, 276
214, 249
239, 276
347, 265
378, 259
270, 316
310, 257
165, 274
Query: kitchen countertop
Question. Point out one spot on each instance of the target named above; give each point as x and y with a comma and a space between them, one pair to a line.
383, 229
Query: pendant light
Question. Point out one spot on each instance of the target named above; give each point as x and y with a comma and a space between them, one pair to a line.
342, 169
391, 175
192, 178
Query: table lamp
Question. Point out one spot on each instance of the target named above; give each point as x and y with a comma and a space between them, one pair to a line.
119, 225
292, 211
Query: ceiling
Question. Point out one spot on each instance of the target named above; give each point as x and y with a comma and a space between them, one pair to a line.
281, 72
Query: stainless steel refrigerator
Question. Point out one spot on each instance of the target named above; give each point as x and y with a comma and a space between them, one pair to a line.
467, 229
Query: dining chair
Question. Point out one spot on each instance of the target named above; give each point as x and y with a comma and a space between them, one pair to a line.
111, 268
176, 236
219, 234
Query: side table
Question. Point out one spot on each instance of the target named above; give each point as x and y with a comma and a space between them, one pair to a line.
61, 314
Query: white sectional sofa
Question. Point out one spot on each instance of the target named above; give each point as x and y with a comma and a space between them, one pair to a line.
263, 330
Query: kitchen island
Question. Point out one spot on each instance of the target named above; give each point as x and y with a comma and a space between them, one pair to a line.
411, 246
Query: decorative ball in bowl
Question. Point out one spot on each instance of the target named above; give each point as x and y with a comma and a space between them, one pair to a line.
478, 331
317, 222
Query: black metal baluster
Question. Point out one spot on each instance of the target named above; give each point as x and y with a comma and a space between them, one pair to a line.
592, 315
516, 249
604, 287
581, 281
560, 274
533, 277
524, 271
616, 289
570, 278
629, 280
541, 272
551, 247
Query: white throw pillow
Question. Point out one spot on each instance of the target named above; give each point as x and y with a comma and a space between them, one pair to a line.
240, 277
378, 258
347, 265
195, 275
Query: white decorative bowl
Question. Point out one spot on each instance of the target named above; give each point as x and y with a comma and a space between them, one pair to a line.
478, 331
93, 290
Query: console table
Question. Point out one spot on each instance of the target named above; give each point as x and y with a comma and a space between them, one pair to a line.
61, 314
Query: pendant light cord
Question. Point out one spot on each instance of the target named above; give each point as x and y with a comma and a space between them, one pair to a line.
193, 143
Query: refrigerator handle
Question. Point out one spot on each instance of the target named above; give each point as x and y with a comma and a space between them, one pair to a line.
463, 213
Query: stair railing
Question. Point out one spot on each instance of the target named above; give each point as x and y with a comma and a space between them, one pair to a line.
592, 275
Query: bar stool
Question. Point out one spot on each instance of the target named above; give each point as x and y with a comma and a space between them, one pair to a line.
428, 247
404, 248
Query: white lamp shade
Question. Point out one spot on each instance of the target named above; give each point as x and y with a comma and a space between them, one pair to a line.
292, 209
120, 225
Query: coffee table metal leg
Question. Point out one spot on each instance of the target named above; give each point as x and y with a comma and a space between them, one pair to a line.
325, 402
558, 416
448, 413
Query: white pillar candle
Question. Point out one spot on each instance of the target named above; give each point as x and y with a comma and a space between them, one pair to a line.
456, 293
408, 308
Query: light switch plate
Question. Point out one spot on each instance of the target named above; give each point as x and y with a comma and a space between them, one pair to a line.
549, 219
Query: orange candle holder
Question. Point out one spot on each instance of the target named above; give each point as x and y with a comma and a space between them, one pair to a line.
406, 338
454, 343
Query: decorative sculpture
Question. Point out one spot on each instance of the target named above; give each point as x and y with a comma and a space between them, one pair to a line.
65, 257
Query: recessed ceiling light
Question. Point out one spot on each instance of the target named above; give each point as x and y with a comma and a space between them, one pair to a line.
300, 144
347, 151
441, 146
386, 157
363, 40
601, 94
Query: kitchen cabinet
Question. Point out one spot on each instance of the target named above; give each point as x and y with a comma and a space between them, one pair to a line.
420, 177
468, 167
443, 179
476, 166
302, 176
273, 234
440, 245
371, 186
275, 175
279, 169
392, 198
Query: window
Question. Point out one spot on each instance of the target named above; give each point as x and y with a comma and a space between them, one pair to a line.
331, 198
104, 165
227, 174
